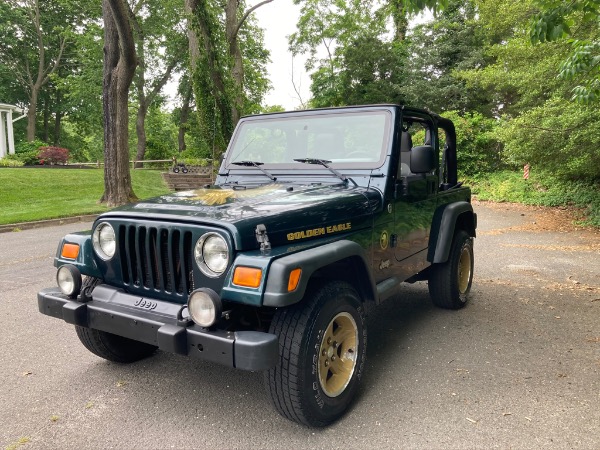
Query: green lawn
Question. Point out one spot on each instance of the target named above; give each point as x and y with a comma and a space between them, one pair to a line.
36, 194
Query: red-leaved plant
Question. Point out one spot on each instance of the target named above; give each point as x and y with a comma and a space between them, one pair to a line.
53, 155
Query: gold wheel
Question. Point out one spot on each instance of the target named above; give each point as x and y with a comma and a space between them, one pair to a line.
464, 270
337, 355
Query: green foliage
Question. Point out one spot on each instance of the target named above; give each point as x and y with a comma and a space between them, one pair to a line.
583, 64
27, 152
559, 136
543, 189
78, 144
10, 162
215, 88
25, 147
479, 151
344, 31
557, 18
200, 162
453, 42
372, 71
161, 134
272, 109
28, 158
415, 6
580, 21
81, 89
512, 79
255, 59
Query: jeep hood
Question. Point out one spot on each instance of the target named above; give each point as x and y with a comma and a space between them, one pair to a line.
290, 213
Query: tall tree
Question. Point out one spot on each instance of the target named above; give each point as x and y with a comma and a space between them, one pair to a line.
218, 56
331, 29
400, 15
119, 68
235, 17
32, 47
159, 42
439, 49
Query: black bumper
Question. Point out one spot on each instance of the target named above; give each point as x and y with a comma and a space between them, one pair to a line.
155, 323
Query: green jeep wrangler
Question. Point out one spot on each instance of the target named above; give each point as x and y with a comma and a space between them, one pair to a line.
314, 217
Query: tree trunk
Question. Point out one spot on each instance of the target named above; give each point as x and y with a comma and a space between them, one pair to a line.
140, 129
210, 80
31, 113
400, 17
232, 29
43, 73
237, 68
57, 120
140, 81
191, 7
184, 117
119, 68
46, 117
144, 101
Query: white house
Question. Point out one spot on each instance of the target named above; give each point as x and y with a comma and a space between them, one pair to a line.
6, 128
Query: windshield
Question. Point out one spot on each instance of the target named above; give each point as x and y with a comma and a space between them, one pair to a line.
355, 139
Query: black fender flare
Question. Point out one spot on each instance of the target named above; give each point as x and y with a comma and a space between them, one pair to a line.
311, 260
444, 225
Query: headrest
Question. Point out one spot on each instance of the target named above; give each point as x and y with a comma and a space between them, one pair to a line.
405, 142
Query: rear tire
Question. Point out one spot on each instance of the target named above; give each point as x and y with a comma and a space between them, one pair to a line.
450, 282
113, 347
322, 350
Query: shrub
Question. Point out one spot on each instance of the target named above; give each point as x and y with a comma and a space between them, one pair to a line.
561, 137
10, 162
542, 188
28, 158
26, 147
193, 161
53, 155
479, 152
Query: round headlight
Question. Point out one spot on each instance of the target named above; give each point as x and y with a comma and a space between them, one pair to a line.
212, 254
68, 279
204, 307
103, 240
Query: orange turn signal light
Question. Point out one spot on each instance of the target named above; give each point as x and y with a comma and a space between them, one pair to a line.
247, 276
70, 251
294, 279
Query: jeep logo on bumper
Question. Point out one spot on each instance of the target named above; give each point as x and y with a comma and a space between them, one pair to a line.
146, 304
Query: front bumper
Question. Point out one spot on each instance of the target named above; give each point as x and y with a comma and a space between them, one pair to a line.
155, 322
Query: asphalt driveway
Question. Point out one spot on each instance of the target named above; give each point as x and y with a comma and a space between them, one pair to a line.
519, 367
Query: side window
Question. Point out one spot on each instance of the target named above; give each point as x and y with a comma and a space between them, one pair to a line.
415, 132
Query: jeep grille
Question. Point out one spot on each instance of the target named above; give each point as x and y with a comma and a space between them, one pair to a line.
156, 258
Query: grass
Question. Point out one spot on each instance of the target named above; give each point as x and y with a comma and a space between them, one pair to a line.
541, 189
35, 194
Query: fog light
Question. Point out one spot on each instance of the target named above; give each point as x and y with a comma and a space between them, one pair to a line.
68, 279
204, 307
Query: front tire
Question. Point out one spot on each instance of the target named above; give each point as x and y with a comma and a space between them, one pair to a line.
450, 282
322, 350
113, 347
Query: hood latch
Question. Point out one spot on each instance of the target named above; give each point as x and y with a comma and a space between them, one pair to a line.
262, 238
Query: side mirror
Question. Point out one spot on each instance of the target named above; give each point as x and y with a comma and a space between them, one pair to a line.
422, 159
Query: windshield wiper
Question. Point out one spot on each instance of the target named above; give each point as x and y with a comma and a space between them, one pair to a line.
255, 164
324, 163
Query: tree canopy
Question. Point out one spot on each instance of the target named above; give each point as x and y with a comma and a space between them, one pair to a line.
520, 78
